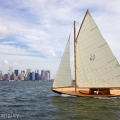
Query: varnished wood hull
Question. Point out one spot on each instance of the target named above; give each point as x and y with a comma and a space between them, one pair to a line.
85, 92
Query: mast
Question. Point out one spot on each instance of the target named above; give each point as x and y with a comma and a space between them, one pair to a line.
75, 54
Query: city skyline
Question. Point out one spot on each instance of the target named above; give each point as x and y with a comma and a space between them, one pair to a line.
24, 75
33, 34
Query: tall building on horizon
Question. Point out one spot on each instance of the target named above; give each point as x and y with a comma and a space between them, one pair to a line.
0, 74
45, 75
33, 75
28, 70
8, 76
28, 75
22, 75
16, 72
36, 74
42, 75
10, 70
37, 71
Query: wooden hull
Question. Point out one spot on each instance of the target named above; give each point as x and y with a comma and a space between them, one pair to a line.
85, 92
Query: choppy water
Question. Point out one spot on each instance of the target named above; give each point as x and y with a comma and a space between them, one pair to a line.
36, 101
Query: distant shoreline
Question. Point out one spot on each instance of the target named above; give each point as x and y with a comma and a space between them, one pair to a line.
24, 81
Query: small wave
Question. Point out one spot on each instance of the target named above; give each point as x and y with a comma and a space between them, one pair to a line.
65, 95
106, 97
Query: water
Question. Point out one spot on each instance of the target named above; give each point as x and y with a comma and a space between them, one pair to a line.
36, 101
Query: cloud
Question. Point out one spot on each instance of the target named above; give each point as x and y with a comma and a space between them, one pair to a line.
38, 30
6, 30
6, 62
51, 53
12, 50
15, 63
8, 42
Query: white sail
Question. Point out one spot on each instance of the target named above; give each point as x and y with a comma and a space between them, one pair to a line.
96, 66
63, 76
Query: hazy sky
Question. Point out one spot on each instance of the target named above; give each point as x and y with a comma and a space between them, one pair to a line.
34, 33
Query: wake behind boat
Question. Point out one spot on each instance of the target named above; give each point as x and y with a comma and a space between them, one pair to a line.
96, 70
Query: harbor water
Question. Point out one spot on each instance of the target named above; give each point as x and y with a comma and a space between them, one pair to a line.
35, 101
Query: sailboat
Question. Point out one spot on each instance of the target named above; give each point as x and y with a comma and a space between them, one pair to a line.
96, 70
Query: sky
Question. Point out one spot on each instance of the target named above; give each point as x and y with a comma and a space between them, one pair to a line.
34, 33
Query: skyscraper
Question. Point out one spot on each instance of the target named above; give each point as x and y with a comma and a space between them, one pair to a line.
27, 75
30, 76
43, 75
16, 72
33, 75
0, 74
10, 70
36, 74
8, 76
22, 75
28, 70
47, 75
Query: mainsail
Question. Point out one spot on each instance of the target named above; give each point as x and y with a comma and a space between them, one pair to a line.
96, 66
63, 76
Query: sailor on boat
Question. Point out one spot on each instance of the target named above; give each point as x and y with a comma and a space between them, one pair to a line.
96, 91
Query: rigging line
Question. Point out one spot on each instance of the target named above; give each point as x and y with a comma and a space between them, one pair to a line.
80, 17
71, 29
